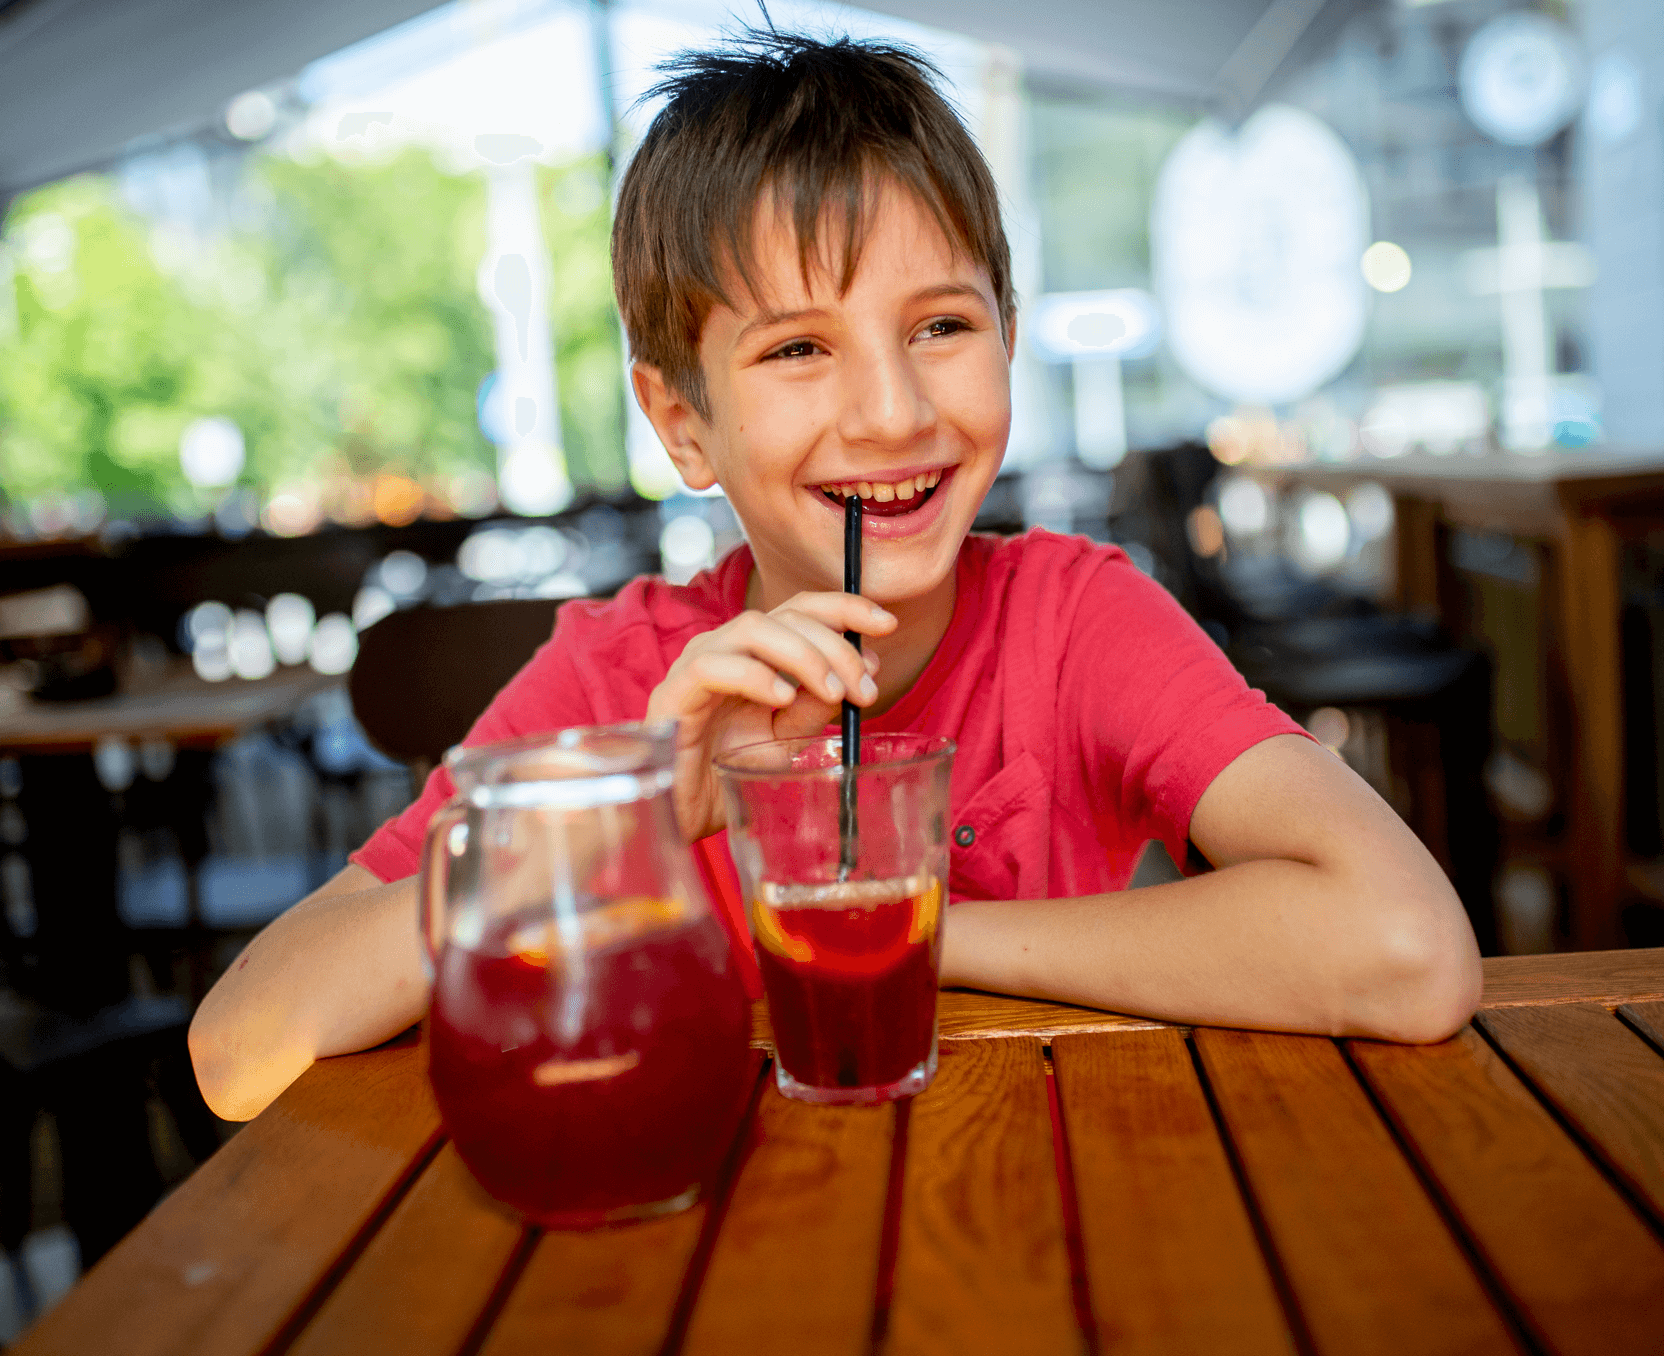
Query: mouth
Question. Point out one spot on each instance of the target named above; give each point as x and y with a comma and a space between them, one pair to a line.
888, 498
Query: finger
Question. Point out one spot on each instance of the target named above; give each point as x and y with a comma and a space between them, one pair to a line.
738, 675
795, 655
850, 664
842, 612
806, 716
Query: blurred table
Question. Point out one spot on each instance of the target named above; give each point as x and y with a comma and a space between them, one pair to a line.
179, 707
72, 827
1581, 506
1072, 1182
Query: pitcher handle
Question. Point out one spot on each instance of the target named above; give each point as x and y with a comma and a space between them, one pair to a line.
432, 887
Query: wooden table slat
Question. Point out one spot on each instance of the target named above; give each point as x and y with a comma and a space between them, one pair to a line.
220, 1265
1171, 1256
607, 1293
426, 1276
1603, 1078
1579, 1263
816, 1176
1372, 1266
982, 1263
1609, 977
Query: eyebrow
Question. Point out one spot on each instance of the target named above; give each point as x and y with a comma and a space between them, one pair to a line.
766, 318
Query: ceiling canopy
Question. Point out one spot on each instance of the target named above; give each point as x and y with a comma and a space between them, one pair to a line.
82, 80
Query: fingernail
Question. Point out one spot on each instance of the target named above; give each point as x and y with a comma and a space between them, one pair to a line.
835, 685
784, 690
871, 661
869, 689
879, 614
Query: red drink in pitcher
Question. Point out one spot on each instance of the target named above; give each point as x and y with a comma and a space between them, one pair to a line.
850, 970
590, 1079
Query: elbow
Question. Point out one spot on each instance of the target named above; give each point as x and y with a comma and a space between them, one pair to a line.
235, 1086
216, 1070
1427, 979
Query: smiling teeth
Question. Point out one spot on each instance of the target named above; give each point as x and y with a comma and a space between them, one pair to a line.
885, 491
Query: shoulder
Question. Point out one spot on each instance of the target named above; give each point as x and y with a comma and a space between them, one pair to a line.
652, 604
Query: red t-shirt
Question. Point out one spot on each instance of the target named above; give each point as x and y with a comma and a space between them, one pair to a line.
1090, 711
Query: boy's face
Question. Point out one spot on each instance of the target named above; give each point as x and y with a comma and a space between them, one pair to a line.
899, 388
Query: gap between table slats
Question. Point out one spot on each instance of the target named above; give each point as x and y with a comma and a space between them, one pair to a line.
1170, 1255
1646, 1020
418, 1286
626, 1291
982, 1263
1370, 1264
1578, 1263
1601, 1081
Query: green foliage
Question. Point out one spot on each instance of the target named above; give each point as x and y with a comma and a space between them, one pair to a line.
589, 356
106, 358
342, 331
379, 332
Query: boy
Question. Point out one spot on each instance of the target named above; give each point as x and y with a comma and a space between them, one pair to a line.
816, 288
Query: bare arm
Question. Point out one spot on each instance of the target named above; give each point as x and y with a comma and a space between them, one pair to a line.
340, 971
1326, 915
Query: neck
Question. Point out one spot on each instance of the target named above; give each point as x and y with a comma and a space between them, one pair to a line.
904, 653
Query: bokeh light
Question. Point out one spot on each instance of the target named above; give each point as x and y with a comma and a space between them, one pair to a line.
250, 116
403, 573
1244, 507
1323, 533
397, 500
334, 644
1386, 266
290, 619
1205, 530
686, 546
1369, 506
211, 453
251, 646
293, 511
369, 605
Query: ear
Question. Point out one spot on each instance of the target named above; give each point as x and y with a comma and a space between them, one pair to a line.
1011, 336
680, 427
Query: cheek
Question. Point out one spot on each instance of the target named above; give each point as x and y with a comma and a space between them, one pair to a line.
976, 398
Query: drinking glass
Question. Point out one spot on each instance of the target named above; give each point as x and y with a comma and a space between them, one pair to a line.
845, 878
588, 1034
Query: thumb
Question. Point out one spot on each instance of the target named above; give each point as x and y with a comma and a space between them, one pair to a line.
808, 715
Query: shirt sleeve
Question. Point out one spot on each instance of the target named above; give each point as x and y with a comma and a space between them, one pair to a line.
1163, 711
547, 694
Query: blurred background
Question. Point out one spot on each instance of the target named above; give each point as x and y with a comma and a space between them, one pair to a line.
1344, 317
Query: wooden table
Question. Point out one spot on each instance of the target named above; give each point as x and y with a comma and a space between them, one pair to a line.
1580, 507
178, 707
1073, 1182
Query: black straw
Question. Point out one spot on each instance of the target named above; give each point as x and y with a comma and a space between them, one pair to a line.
852, 713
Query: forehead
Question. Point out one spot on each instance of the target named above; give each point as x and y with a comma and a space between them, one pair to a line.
891, 230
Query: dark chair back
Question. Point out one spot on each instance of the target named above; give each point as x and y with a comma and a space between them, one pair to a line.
423, 676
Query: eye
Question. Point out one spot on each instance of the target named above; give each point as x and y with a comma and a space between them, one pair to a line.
943, 326
798, 348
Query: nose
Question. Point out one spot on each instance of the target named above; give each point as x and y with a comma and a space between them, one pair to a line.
885, 404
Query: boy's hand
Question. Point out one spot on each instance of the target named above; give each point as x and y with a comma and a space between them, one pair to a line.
764, 675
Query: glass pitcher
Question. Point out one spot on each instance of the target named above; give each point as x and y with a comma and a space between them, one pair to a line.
588, 1032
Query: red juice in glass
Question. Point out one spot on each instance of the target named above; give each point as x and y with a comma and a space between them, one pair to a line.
850, 970
595, 1078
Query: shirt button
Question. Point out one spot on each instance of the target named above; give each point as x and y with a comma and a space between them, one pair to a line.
964, 835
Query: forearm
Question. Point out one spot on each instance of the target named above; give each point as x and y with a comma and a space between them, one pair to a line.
1270, 944
340, 971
